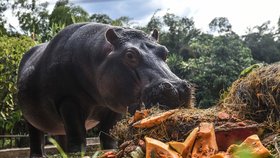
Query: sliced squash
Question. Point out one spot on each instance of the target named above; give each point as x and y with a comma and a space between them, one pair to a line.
221, 155
177, 146
205, 144
189, 142
139, 115
153, 120
185, 148
158, 149
253, 144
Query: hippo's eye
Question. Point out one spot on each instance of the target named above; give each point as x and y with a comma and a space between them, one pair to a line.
163, 55
132, 57
129, 55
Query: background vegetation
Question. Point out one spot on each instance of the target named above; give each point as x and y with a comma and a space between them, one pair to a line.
212, 60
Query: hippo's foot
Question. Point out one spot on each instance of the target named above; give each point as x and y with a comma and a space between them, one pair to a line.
38, 156
107, 141
76, 154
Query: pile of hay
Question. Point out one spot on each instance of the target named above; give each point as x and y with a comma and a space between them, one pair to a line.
176, 127
256, 96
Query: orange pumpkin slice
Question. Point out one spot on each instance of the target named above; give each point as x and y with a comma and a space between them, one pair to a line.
205, 144
154, 120
177, 146
221, 155
158, 149
185, 148
138, 115
253, 144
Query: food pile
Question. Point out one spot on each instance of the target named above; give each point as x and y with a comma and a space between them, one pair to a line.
249, 113
175, 125
217, 139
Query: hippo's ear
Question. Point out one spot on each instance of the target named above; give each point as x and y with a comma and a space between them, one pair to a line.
155, 34
112, 37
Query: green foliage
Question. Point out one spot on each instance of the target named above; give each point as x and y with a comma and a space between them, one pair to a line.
58, 147
181, 31
220, 25
221, 61
249, 69
11, 51
263, 43
177, 64
154, 23
33, 18
122, 21
105, 19
64, 13
101, 18
3, 8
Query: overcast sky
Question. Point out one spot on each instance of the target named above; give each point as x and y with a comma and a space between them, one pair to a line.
241, 13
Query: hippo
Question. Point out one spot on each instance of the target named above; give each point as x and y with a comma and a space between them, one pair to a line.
89, 74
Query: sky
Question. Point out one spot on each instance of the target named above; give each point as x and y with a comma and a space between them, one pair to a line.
240, 13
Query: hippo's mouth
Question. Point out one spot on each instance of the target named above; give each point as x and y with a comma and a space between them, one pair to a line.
168, 95
137, 76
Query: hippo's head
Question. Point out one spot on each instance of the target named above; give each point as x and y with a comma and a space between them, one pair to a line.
135, 71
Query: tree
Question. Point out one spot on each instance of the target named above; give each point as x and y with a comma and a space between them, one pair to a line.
122, 21
101, 18
278, 30
263, 43
154, 23
105, 19
3, 8
181, 31
33, 18
65, 13
220, 25
221, 60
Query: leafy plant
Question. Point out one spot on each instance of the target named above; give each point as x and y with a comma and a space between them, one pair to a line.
11, 51
58, 147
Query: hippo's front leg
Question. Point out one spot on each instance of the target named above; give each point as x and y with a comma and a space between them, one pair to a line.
37, 142
106, 123
74, 121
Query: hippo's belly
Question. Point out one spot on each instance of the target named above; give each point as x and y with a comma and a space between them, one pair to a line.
89, 124
47, 119
44, 120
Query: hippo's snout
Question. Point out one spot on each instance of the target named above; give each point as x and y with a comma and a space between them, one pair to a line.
168, 94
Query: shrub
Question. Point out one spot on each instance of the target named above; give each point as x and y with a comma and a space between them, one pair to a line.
11, 51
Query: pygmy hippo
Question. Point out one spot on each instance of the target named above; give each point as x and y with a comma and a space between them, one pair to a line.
90, 73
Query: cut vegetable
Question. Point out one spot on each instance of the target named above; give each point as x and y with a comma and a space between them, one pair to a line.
205, 144
253, 145
158, 149
221, 155
154, 120
139, 115
185, 148
189, 142
177, 146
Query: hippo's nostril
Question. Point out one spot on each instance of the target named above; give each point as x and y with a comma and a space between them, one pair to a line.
189, 85
186, 85
165, 85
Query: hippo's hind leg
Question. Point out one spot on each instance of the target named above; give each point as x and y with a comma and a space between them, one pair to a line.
37, 142
74, 125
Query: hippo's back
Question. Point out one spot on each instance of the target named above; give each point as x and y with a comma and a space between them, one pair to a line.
50, 71
30, 62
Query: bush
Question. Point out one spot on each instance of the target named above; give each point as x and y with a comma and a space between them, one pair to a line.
11, 51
